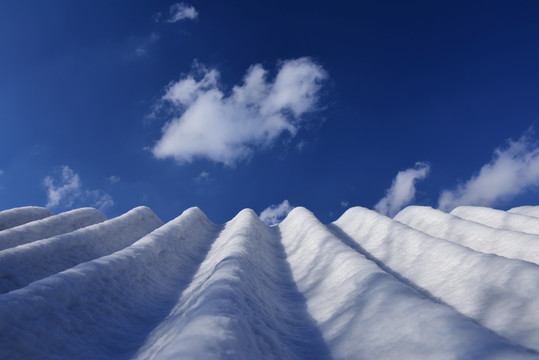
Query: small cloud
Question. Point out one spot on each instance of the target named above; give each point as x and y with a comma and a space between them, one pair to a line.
203, 176
1, 171
181, 11
227, 129
344, 204
65, 190
275, 213
113, 179
402, 190
511, 172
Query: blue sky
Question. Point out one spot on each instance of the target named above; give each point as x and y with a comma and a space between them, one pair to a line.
228, 105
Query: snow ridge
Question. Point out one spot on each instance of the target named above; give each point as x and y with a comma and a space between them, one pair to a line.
22, 215
497, 292
366, 286
26, 263
498, 219
479, 237
49, 226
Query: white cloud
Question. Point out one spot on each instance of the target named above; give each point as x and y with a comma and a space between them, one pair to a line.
275, 213
228, 129
402, 190
512, 171
65, 190
1, 171
344, 203
181, 11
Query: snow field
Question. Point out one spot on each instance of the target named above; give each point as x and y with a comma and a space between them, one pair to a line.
364, 287
365, 313
499, 293
22, 215
49, 226
241, 304
479, 237
526, 210
23, 264
498, 219
105, 308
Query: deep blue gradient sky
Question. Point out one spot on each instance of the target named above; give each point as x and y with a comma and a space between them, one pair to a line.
444, 82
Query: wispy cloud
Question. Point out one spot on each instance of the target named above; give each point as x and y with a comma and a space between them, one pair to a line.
228, 129
402, 190
203, 176
275, 213
1, 171
512, 171
182, 11
65, 190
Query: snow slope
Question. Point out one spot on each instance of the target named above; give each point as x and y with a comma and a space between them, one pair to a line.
486, 239
26, 263
50, 226
499, 293
526, 210
498, 218
19, 216
363, 287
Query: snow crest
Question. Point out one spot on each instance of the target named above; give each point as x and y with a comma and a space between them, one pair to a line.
364, 287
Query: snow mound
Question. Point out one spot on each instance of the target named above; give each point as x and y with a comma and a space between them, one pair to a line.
498, 218
19, 216
50, 226
363, 287
479, 237
23, 264
526, 210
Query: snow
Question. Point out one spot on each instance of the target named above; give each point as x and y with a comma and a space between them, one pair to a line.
498, 218
26, 263
50, 226
486, 239
364, 287
105, 308
22, 215
499, 293
526, 210
365, 313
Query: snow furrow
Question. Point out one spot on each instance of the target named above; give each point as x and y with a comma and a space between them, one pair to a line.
244, 293
22, 215
526, 210
365, 313
23, 264
499, 293
49, 226
105, 308
498, 219
479, 237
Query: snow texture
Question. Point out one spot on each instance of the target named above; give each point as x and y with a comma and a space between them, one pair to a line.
499, 293
526, 210
26, 263
19, 216
363, 287
498, 219
487, 239
50, 226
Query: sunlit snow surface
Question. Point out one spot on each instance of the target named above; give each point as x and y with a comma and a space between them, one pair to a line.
425, 285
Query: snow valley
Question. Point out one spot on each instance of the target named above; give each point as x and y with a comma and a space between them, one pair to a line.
425, 284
